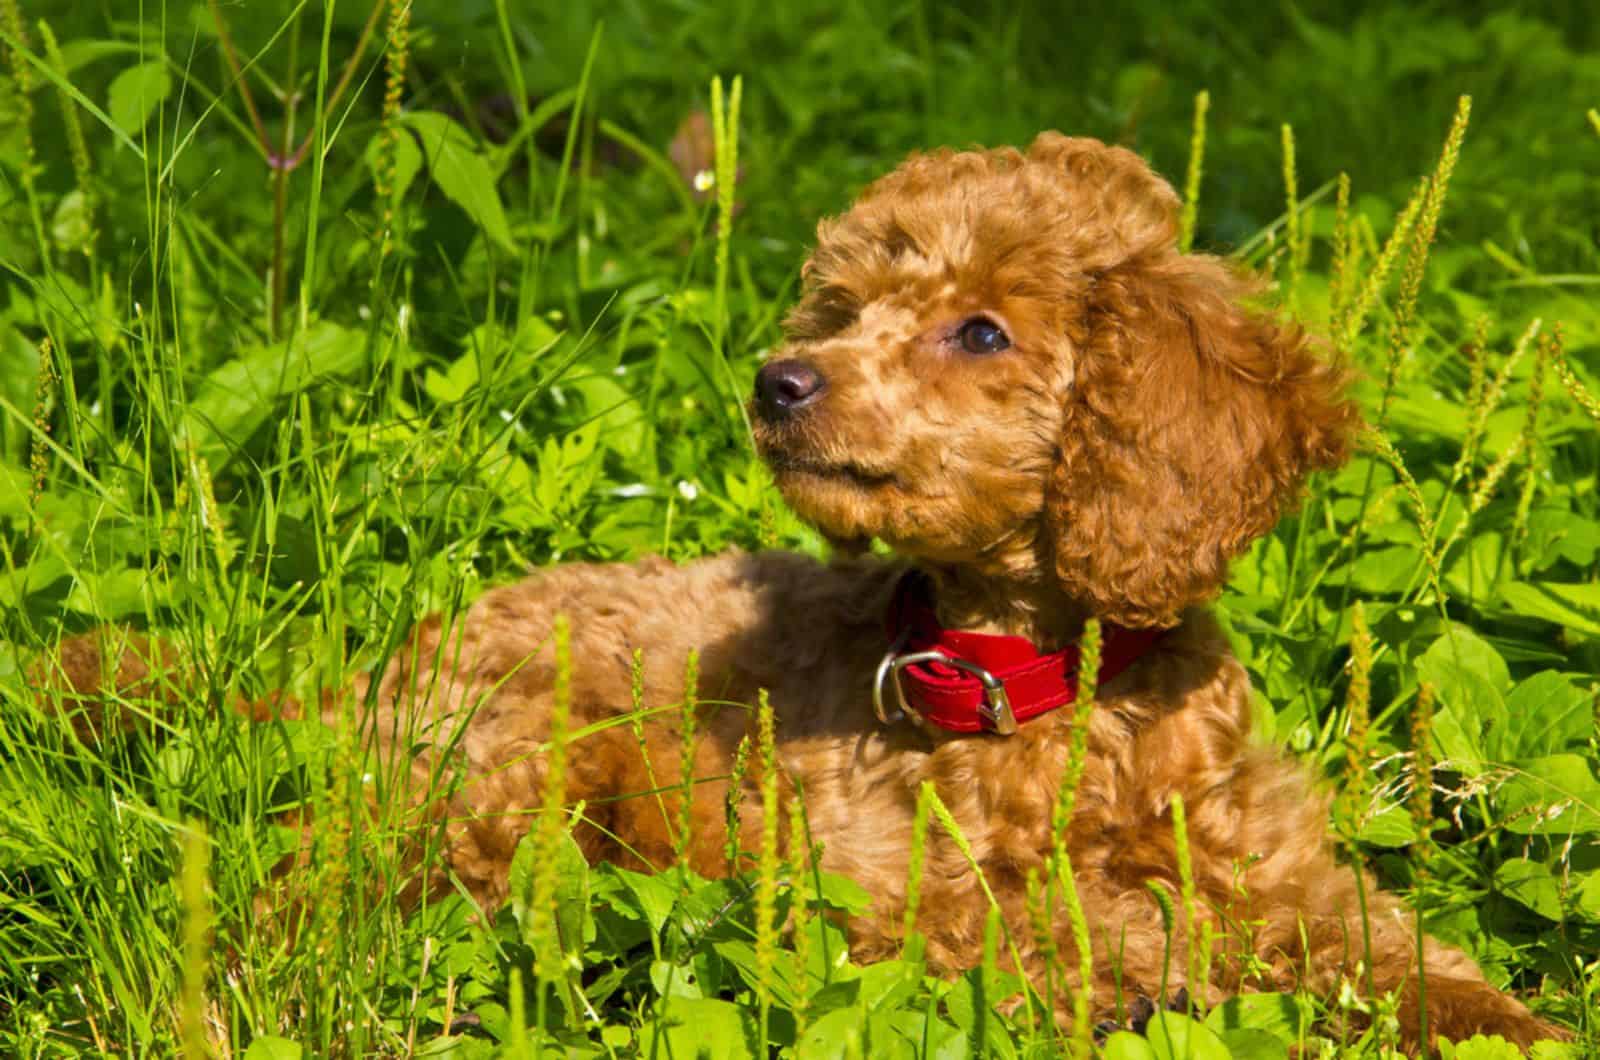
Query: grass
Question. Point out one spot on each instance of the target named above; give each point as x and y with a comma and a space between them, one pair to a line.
280, 402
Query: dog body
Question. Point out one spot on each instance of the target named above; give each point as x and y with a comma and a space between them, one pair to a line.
1282, 913
1002, 367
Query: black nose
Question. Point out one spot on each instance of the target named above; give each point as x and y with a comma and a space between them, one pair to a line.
787, 386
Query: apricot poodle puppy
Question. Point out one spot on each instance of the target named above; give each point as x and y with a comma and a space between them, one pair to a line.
1003, 368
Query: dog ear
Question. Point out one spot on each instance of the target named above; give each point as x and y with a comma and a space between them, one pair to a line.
1191, 423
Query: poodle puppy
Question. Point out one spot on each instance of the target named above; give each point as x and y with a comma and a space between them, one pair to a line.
1002, 367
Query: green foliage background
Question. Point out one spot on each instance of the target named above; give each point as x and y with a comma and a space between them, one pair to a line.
542, 361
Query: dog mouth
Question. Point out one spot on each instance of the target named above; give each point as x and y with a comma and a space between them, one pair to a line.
786, 465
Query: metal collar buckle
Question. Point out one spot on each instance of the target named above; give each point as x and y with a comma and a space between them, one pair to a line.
995, 708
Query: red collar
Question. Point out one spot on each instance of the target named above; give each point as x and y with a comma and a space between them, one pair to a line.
982, 682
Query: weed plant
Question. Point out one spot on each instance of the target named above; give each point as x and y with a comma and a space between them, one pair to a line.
316, 320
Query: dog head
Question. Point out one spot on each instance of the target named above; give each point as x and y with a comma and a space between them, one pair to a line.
1001, 361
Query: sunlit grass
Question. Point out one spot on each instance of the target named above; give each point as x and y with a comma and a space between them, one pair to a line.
280, 377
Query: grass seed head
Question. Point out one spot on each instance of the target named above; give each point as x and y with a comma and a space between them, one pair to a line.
1422, 773
1291, 220
77, 145
1358, 712
44, 398
1191, 184
551, 821
767, 865
1339, 269
688, 741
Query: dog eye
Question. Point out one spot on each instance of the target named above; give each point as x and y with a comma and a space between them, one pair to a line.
979, 335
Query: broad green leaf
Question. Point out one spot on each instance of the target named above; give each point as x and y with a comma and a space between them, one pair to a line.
833, 1036
1379, 571
1551, 795
70, 226
675, 980
1255, 1045
1467, 675
117, 594
453, 384
1479, 1047
701, 1028
136, 93
839, 892
1463, 647
1472, 575
1549, 1050
462, 173
742, 955
1557, 533
1281, 1015
240, 396
1547, 714
1418, 411
1177, 1037
574, 922
1530, 884
1575, 605
650, 897
574, 919
1586, 894
82, 52
271, 1047
1391, 826
969, 993
1125, 1045
16, 491
624, 427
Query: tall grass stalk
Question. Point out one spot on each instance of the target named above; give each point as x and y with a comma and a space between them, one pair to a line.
1575, 388
22, 92
548, 960
395, 57
767, 866
44, 399
1489, 398
946, 819
916, 865
1291, 221
1197, 937
1036, 892
1341, 266
801, 864
1355, 320
725, 137
1191, 183
1376, 442
1358, 715
1422, 238
1421, 803
1059, 870
1422, 818
77, 145
1550, 349
1491, 395
195, 872
1477, 381
688, 744
988, 973
733, 805
636, 718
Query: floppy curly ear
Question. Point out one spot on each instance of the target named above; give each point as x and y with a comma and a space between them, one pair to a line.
1190, 426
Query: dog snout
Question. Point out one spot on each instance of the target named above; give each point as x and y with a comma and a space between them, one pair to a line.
787, 386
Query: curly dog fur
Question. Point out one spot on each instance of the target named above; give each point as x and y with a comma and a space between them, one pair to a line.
1142, 425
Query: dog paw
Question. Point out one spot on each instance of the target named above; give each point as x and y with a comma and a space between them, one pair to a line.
1459, 1009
